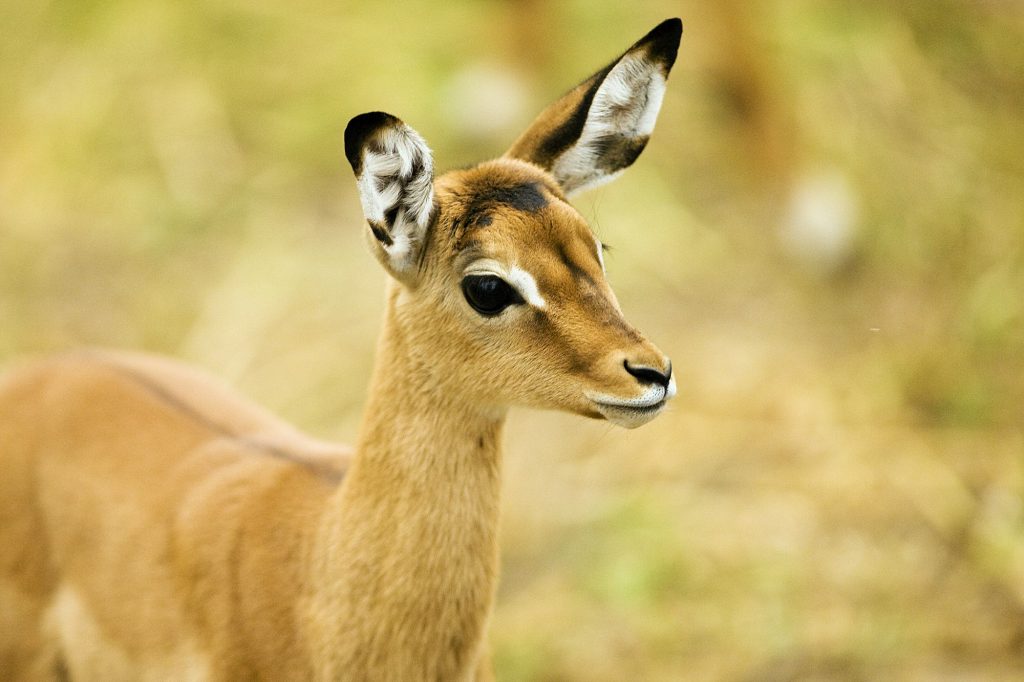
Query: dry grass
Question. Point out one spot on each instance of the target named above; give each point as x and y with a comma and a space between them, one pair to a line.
826, 234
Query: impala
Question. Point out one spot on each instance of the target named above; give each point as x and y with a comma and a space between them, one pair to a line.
155, 526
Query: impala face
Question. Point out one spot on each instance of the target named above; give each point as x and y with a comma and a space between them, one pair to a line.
500, 282
522, 285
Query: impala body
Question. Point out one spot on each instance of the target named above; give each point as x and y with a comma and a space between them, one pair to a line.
156, 526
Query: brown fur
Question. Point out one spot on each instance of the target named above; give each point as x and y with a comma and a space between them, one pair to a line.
156, 526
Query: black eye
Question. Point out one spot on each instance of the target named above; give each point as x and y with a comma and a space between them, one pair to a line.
489, 294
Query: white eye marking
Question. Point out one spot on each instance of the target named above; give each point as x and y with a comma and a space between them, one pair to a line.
527, 286
600, 254
519, 279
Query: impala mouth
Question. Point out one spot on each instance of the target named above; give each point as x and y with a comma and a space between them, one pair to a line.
653, 407
630, 416
633, 412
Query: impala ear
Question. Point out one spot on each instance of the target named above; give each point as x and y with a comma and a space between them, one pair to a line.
395, 175
600, 127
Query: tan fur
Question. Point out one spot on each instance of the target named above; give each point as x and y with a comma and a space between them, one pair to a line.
155, 526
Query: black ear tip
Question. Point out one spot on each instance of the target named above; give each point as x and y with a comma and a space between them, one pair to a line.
359, 129
663, 41
670, 28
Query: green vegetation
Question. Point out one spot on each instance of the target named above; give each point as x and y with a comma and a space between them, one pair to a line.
826, 234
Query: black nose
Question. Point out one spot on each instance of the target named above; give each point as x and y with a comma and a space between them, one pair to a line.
649, 375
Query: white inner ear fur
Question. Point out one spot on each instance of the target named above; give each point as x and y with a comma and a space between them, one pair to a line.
406, 165
626, 105
520, 279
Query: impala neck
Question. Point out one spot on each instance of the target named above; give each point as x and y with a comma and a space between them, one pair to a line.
408, 555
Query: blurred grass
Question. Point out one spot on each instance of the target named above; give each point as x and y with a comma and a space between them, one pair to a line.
826, 234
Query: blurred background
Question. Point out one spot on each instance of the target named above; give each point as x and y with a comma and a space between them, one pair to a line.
826, 234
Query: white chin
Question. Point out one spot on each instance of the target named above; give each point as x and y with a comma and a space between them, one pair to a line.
630, 417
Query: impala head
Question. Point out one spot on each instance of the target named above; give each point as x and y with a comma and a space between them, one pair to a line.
500, 291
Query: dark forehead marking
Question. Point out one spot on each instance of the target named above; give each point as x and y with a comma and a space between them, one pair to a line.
526, 196
485, 197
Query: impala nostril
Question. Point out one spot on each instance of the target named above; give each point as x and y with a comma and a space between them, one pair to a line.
649, 375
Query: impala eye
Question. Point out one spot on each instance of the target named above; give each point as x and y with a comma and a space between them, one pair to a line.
489, 294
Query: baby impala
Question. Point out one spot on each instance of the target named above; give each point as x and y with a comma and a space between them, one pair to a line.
156, 526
